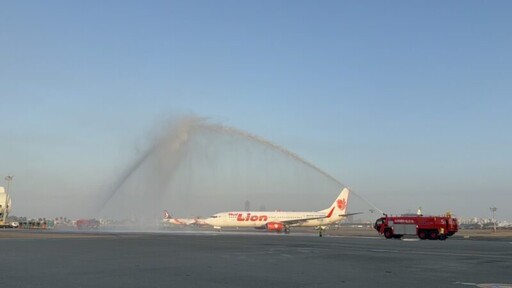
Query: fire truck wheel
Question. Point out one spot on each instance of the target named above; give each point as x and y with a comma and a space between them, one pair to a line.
442, 237
388, 233
422, 234
432, 235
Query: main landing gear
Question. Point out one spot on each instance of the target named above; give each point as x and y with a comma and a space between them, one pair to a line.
321, 230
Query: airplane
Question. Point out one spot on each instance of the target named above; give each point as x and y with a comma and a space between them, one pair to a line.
282, 220
168, 219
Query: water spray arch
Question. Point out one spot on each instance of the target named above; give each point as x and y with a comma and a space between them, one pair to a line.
196, 168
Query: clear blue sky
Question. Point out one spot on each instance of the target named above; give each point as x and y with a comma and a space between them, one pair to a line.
407, 102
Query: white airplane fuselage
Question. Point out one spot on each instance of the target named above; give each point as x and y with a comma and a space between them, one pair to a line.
283, 219
182, 221
259, 219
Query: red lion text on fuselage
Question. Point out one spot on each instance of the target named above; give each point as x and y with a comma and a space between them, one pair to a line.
253, 218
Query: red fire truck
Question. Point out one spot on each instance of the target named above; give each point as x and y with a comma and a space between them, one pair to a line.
425, 227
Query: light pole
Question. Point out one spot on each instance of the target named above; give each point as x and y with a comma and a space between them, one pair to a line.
493, 209
8, 179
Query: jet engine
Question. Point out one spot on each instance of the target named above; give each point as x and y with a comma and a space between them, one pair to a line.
274, 226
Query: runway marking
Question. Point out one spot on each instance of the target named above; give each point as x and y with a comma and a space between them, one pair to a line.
384, 250
466, 283
486, 285
340, 236
459, 254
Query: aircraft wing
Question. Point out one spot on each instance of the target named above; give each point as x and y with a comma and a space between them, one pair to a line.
349, 214
298, 221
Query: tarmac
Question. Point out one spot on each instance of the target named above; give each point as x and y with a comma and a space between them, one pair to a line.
247, 259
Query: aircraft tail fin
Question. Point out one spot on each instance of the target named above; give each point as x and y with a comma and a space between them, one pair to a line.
340, 204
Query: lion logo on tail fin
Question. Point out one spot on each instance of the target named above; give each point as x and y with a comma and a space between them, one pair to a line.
341, 203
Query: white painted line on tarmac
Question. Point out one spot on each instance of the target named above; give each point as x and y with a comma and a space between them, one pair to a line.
384, 250
486, 285
466, 283
357, 237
